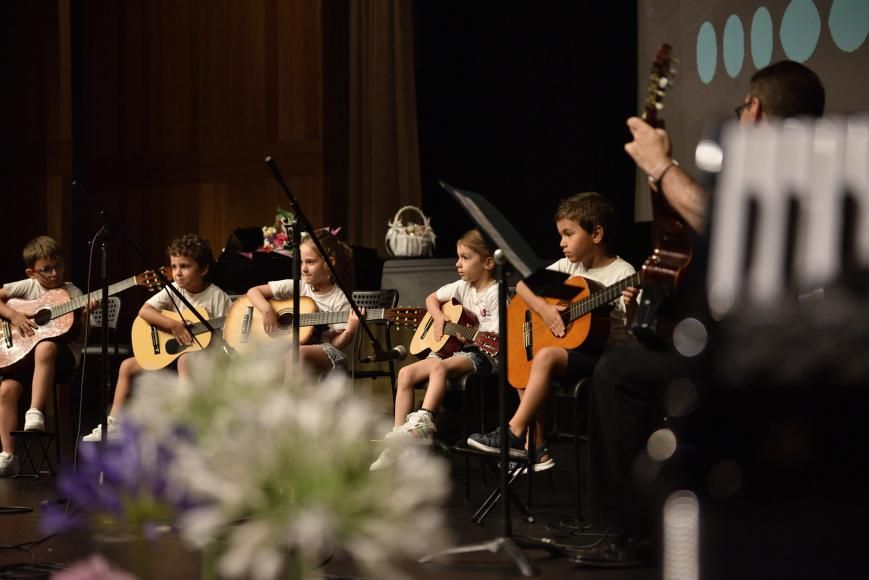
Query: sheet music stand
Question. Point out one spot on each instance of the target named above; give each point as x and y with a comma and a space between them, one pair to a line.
513, 251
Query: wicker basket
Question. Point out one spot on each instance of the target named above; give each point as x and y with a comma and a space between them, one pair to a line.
410, 234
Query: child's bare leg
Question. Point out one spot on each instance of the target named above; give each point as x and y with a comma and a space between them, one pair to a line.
10, 392
44, 364
128, 371
548, 362
437, 381
311, 357
408, 377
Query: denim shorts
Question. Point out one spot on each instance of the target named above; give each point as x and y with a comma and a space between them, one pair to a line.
483, 364
338, 357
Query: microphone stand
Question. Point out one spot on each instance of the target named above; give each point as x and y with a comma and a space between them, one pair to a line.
110, 226
511, 251
301, 223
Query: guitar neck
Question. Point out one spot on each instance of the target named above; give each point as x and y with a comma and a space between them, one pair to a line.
84, 299
321, 318
215, 323
453, 329
596, 300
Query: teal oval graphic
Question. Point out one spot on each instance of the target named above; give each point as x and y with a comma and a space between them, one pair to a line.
761, 38
734, 46
707, 52
800, 30
849, 23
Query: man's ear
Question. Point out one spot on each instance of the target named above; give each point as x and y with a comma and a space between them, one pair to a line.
31, 273
755, 109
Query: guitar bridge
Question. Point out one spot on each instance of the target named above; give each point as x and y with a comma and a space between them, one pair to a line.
426, 328
7, 333
527, 340
245, 324
155, 340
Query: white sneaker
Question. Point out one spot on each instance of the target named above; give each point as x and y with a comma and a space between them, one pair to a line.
418, 424
113, 432
8, 464
384, 460
34, 420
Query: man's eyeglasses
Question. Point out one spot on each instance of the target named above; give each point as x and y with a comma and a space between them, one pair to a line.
46, 270
740, 109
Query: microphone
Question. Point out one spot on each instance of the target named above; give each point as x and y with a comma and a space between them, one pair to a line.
397, 353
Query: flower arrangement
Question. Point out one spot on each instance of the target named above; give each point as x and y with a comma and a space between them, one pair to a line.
272, 472
278, 237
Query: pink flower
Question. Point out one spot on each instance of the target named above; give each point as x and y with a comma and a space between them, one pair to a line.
94, 568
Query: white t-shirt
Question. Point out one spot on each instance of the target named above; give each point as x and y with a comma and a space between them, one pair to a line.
31, 289
331, 301
214, 300
483, 304
605, 276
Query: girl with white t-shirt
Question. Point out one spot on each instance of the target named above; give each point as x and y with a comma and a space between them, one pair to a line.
316, 283
477, 292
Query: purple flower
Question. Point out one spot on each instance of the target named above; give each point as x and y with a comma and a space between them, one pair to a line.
126, 479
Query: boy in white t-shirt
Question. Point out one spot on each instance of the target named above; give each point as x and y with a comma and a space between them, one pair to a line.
477, 292
190, 259
586, 223
43, 260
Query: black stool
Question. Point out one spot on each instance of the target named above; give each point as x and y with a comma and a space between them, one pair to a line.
27, 452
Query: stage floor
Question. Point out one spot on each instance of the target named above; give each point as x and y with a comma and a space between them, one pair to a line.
553, 504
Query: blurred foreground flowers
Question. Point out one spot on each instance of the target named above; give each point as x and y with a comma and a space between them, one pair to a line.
264, 473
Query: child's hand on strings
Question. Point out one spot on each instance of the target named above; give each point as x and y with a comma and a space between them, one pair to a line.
551, 315
270, 321
181, 332
23, 323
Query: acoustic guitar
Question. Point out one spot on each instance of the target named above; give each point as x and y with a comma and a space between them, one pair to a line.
155, 349
460, 323
586, 323
671, 236
53, 313
243, 329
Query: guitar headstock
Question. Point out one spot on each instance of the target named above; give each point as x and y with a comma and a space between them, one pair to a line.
150, 280
488, 343
660, 80
405, 316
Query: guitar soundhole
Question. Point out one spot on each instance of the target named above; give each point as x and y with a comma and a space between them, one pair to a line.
174, 347
42, 317
285, 319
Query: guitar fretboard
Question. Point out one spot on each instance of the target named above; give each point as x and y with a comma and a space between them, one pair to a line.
84, 299
596, 300
215, 323
453, 329
320, 318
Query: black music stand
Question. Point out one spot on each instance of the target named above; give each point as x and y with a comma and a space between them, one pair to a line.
513, 251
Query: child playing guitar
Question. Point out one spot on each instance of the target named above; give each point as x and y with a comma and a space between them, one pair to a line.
190, 257
585, 223
331, 349
43, 260
477, 292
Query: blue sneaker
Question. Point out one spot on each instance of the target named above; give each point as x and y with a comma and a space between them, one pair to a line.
539, 464
491, 443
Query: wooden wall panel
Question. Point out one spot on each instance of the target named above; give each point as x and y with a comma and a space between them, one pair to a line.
181, 102
35, 126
